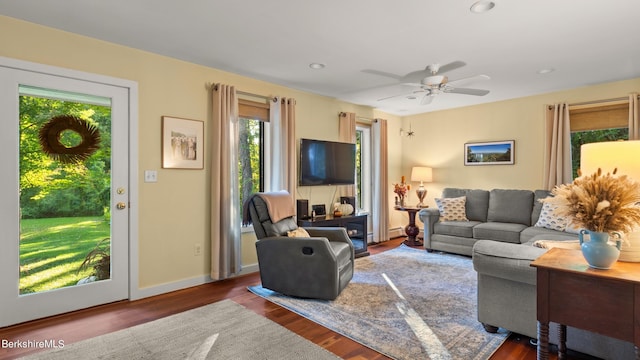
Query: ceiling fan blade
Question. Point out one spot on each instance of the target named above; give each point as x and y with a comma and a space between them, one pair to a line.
468, 80
467, 91
382, 73
451, 66
416, 76
426, 100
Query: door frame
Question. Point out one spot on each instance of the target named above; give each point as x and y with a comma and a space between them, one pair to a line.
132, 87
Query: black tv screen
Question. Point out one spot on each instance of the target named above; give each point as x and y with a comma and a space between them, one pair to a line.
327, 163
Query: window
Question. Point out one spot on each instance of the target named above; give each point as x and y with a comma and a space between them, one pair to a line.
252, 128
363, 168
602, 122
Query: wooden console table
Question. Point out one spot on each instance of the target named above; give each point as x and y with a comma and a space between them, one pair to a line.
571, 293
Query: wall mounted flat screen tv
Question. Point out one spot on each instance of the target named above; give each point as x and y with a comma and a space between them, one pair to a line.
327, 163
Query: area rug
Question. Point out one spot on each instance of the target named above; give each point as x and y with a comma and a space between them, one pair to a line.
405, 303
223, 330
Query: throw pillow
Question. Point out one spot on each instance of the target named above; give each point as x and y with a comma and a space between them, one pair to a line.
299, 232
452, 209
548, 219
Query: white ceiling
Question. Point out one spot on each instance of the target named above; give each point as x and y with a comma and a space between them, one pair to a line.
586, 41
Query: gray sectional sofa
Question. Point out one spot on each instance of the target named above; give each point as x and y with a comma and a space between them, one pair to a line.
503, 215
499, 236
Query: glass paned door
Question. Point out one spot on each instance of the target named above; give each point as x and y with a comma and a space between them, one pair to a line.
65, 145
65, 182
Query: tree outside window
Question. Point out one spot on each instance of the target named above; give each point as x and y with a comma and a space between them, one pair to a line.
250, 157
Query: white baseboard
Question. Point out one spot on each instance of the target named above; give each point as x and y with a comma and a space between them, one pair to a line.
182, 284
396, 232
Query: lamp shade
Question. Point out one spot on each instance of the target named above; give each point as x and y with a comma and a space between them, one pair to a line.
624, 156
610, 155
421, 173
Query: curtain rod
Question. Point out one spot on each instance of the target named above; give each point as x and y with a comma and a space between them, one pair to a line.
364, 118
239, 92
269, 98
596, 102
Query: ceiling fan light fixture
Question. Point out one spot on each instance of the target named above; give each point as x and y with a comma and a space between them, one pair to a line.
482, 6
435, 80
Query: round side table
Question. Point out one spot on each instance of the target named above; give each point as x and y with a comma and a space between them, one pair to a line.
411, 230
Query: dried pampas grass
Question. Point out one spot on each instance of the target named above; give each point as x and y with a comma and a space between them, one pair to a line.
599, 202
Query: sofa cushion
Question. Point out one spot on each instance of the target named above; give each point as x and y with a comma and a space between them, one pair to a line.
510, 206
477, 202
505, 232
532, 232
506, 261
548, 218
455, 228
452, 209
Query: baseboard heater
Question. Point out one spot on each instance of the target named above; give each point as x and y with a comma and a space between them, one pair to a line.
399, 232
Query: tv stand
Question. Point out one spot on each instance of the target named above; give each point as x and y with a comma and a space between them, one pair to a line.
356, 226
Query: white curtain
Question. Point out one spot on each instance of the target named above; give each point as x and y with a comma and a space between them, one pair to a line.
557, 167
347, 133
282, 160
634, 117
225, 207
380, 214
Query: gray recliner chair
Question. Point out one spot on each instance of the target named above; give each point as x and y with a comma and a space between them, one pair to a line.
317, 267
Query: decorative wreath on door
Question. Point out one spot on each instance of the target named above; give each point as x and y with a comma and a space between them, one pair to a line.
50, 134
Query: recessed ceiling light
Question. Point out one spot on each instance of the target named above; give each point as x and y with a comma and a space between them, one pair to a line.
317, 66
482, 6
546, 71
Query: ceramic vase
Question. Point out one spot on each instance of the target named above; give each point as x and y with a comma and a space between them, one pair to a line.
597, 250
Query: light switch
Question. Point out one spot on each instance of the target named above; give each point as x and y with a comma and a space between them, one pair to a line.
150, 176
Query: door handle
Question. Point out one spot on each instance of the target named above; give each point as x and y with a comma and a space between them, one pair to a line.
121, 206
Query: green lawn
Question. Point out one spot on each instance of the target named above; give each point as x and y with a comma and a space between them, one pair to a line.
51, 250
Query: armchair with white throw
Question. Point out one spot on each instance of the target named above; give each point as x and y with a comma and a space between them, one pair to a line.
303, 262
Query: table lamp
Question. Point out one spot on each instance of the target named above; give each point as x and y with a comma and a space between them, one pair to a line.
422, 174
610, 155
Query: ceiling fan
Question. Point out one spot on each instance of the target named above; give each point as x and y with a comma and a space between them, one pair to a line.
431, 83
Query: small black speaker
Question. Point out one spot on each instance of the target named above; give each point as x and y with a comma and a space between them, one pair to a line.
302, 209
348, 200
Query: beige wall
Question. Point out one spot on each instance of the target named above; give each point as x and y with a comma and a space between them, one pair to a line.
172, 216
440, 138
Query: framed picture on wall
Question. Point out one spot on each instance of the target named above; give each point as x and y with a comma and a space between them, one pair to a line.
182, 143
490, 153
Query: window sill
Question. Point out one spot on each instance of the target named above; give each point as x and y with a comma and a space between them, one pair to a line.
246, 229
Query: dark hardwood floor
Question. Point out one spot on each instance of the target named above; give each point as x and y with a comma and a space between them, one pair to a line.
83, 324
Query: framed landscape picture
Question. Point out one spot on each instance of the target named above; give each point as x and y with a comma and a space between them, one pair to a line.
182, 143
490, 153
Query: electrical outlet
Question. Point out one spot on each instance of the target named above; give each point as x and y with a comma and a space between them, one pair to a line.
197, 250
150, 176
